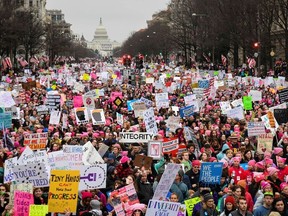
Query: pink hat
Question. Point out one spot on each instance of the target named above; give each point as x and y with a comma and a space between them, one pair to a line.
272, 171
196, 163
161, 132
16, 144
283, 185
268, 161
138, 206
117, 146
101, 132
86, 194
236, 159
265, 184
259, 178
95, 135
267, 154
278, 158
84, 134
225, 163
39, 130
277, 150
51, 128
212, 159
251, 163
124, 159
9, 153
207, 132
13, 133
260, 165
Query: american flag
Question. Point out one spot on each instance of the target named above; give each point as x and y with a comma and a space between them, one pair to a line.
206, 92
45, 58
251, 62
224, 60
34, 60
22, 62
206, 57
8, 62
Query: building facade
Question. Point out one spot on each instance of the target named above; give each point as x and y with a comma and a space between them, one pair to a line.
101, 41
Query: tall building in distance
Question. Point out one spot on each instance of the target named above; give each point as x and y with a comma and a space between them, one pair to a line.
101, 41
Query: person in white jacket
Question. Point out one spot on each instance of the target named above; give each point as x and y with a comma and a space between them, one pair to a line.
95, 205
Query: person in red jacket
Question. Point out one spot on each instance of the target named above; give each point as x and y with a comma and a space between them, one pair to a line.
283, 169
236, 172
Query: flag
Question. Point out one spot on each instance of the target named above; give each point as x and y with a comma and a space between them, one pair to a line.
45, 58
251, 62
206, 92
34, 60
224, 60
8, 62
4, 65
206, 57
22, 62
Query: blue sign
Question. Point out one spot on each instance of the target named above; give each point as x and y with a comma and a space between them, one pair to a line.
244, 166
211, 172
5, 120
130, 103
203, 84
186, 111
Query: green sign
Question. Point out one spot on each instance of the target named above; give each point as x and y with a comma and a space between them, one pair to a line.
247, 102
5, 120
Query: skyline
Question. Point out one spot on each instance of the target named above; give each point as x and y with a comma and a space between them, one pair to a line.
120, 18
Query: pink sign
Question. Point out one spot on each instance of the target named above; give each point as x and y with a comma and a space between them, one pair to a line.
22, 201
114, 95
77, 101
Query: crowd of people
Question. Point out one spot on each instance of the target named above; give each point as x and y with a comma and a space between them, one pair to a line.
261, 188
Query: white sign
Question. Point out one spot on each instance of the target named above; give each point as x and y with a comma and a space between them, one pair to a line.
256, 95
55, 117
93, 177
157, 208
256, 128
81, 115
135, 137
237, 112
8, 169
162, 100
120, 119
88, 101
149, 120
90, 155
98, 117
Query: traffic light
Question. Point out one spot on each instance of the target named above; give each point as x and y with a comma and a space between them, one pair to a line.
256, 45
126, 60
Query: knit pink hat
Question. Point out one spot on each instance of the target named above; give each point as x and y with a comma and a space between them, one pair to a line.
265, 184
251, 163
272, 171
268, 161
277, 150
278, 158
283, 185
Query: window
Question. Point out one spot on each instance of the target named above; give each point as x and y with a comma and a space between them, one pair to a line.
30, 3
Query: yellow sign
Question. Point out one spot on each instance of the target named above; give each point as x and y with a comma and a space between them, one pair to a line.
38, 210
63, 192
190, 203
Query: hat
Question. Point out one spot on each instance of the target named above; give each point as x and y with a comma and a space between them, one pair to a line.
267, 154
265, 184
212, 159
230, 199
283, 185
277, 150
259, 178
95, 204
117, 146
111, 156
242, 183
86, 194
16, 144
260, 165
278, 158
236, 159
268, 194
268, 161
272, 171
124, 159
95, 135
138, 206
251, 163
196, 163
207, 197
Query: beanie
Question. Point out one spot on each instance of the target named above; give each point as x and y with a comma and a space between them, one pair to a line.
230, 199
207, 197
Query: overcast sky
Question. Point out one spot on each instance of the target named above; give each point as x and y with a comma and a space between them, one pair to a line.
120, 17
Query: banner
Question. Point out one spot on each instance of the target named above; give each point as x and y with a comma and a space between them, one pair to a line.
55, 117
122, 199
81, 115
264, 143
22, 202
93, 177
162, 100
5, 120
283, 95
149, 120
236, 112
90, 155
247, 102
135, 137
98, 117
8, 169
210, 173
31, 173
186, 111
256, 128
36, 140
63, 190
120, 119
53, 101
57, 160
157, 207
73, 155
166, 181
169, 144
38, 210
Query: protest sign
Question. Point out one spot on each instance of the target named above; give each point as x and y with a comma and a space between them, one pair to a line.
139, 108
26, 187
6, 99
169, 144
162, 100
103, 149
238, 102
88, 101
27, 156
157, 207
147, 102
264, 143
53, 101
247, 102
93, 177
98, 117
190, 203
189, 99
173, 123
166, 181
63, 190
8, 169
210, 173
255, 128
281, 115
57, 160
236, 112
280, 106
42, 109
34, 173
283, 95
90, 155
55, 117
143, 160
38, 210
81, 115
225, 106
5, 120
256, 95
22, 201
135, 137
14, 111
203, 83
186, 111
130, 104
149, 120
120, 119
155, 149
118, 102
123, 198
73, 155
36, 140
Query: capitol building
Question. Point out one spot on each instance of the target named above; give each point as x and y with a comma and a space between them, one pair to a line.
101, 41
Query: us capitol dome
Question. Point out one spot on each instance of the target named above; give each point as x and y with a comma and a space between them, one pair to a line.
101, 41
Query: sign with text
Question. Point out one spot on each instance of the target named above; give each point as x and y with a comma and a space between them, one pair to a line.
5, 120
38, 210
63, 190
264, 143
90, 155
81, 114
22, 201
135, 137
149, 120
157, 207
255, 128
36, 140
53, 101
93, 177
283, 95
186, 111
210, 172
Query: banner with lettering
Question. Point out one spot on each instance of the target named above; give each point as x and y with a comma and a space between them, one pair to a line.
73, 155
36, 140
149, 120
63, 190
264, 143
255, 128
157, 207
38, 210
22, 202
135, 137
8, 171
186, 111
210, 173
93, 177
